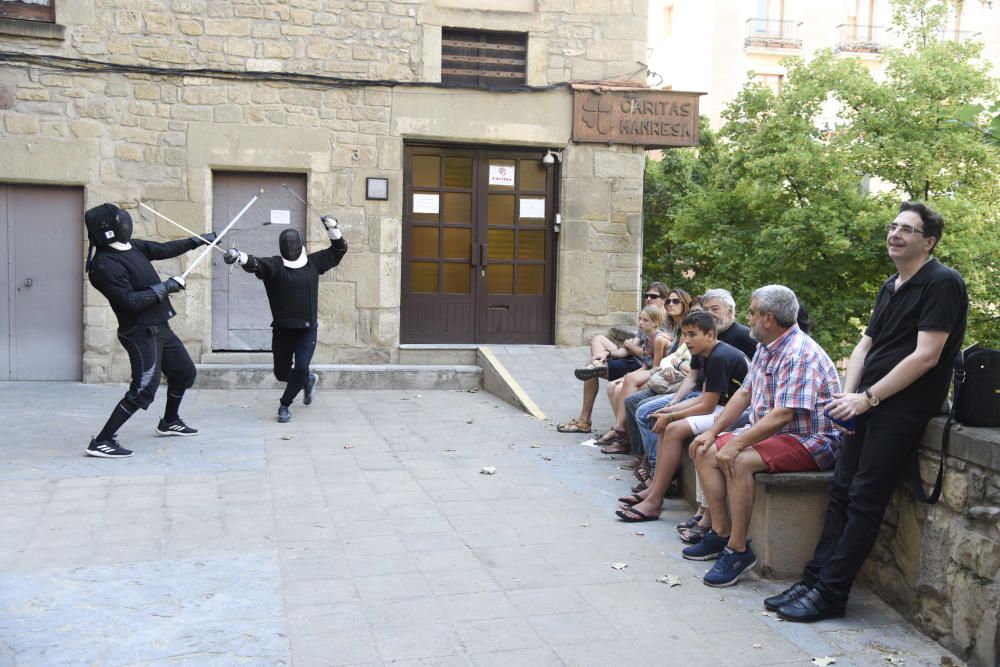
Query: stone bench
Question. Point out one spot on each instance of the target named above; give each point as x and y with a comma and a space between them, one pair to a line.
787, 517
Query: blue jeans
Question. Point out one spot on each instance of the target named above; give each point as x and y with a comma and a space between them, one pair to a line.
642, 413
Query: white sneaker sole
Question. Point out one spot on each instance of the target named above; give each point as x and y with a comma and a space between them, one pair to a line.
735, 579
157, 431
102, 455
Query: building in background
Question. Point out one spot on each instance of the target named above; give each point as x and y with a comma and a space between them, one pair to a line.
449, 137
711, 45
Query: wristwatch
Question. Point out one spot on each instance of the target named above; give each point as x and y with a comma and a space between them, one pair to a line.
873, 400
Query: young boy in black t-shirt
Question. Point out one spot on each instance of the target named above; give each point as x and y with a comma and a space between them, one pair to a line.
722, 369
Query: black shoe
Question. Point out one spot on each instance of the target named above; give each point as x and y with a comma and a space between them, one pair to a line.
310, 385
284, 416
809, 607
176, 427
791, 594
107, 449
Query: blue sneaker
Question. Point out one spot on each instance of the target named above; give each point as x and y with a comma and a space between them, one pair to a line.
709, 548
730, 567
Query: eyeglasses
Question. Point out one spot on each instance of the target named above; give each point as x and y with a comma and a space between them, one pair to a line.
903, 229
654, 295
673, 302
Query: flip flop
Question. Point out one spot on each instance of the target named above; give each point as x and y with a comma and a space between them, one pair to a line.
641, 486
588, 372
634, 499
623, 515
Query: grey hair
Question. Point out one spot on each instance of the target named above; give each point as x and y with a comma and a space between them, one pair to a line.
722, 295
780, 302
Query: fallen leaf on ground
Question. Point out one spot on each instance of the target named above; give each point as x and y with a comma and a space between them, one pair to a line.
286, 437
619, 566
487, 470
536, 446
618, 477
758, 646
639, 533
473, 390
546, 458
767, 613
895, 660
585, 525
469, 421
669, 580
823, 662
348, 446
448, 450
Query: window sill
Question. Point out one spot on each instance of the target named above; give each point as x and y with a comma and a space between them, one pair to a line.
35, 29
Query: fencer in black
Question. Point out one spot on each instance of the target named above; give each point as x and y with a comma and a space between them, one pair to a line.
119, 267
292, 283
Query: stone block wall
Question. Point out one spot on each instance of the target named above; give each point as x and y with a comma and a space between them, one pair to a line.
138, 136
940, 564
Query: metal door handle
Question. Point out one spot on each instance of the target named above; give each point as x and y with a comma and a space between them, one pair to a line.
27, 282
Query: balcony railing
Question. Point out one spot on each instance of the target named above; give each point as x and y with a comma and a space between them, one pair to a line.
960, 36
772, 34
853, 38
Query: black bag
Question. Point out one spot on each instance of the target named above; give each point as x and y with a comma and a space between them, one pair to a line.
975, 402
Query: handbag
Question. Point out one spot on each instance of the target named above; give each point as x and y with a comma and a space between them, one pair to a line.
975, 402
659, 384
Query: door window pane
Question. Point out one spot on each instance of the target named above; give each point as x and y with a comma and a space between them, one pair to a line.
501, 210
500, 244
457, 243
500, 279
424, 277
458, 172
532, 175
530, 279
531, 245
425, 242
426, 171
456, 278
509, 168
457, 208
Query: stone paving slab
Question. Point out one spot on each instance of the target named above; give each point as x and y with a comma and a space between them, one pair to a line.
362, 533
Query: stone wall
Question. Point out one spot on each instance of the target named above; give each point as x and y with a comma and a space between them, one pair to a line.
940, 564
144, 136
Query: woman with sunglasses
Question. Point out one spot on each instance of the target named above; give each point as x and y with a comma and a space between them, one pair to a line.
615, 441
608, 360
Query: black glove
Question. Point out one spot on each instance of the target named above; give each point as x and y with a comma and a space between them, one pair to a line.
208, 238
168, 286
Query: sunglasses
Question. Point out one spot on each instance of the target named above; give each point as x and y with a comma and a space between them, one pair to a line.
673, 302
654, 295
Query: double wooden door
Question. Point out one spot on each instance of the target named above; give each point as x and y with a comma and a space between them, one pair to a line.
478, 246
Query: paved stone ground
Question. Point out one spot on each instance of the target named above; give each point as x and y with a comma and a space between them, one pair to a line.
363, 533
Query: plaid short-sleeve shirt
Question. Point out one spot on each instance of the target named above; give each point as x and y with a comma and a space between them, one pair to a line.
795, 372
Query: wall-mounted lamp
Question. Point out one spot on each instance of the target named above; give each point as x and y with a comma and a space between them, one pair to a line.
551, 157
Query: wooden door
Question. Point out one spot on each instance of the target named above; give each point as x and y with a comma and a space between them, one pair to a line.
478, 246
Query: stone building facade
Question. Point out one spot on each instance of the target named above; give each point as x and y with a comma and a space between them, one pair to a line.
154, 101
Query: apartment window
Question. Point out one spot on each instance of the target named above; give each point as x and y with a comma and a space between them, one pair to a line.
668, 21
772, 81
30, 10
483, 59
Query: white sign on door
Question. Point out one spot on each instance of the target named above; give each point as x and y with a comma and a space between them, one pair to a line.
425, 203
501, 174
281, 217
532, 207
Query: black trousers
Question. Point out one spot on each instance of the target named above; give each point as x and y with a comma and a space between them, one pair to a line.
868, 469
293, 350
152, 349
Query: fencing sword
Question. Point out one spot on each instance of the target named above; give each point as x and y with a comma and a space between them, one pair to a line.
218, 238
175, 224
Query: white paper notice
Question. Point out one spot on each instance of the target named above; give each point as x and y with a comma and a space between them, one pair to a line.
281, 217
425, 203
501, 175
533, 207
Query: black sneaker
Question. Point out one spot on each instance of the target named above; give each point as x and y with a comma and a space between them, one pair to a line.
107, 449
310, 385
284, 416
176, 427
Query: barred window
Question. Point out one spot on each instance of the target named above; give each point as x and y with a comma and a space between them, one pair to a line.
30, 10
483, 59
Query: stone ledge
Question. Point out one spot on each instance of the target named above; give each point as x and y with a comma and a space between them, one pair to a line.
35, 29
971, 444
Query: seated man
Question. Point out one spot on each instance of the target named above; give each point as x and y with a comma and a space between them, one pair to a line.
790, 381
722, 369
721, 304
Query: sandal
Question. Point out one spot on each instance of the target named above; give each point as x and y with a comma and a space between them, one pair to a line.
643, 474
593, 370
634, 499
688, 523
614, 434
574, 426
641, 486
616, 447
631, 465
694, 534
632, 515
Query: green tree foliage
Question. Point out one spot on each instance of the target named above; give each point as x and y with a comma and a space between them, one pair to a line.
798, 188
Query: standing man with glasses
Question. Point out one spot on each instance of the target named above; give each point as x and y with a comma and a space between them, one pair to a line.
897, 379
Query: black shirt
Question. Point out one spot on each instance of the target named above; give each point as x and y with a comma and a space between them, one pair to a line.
722, 372
294, 293
124, 277
738, 335
934, 299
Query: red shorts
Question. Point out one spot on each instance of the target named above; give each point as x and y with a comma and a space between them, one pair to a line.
781, 453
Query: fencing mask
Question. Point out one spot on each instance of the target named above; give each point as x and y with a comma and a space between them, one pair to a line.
290, 244
106, 224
